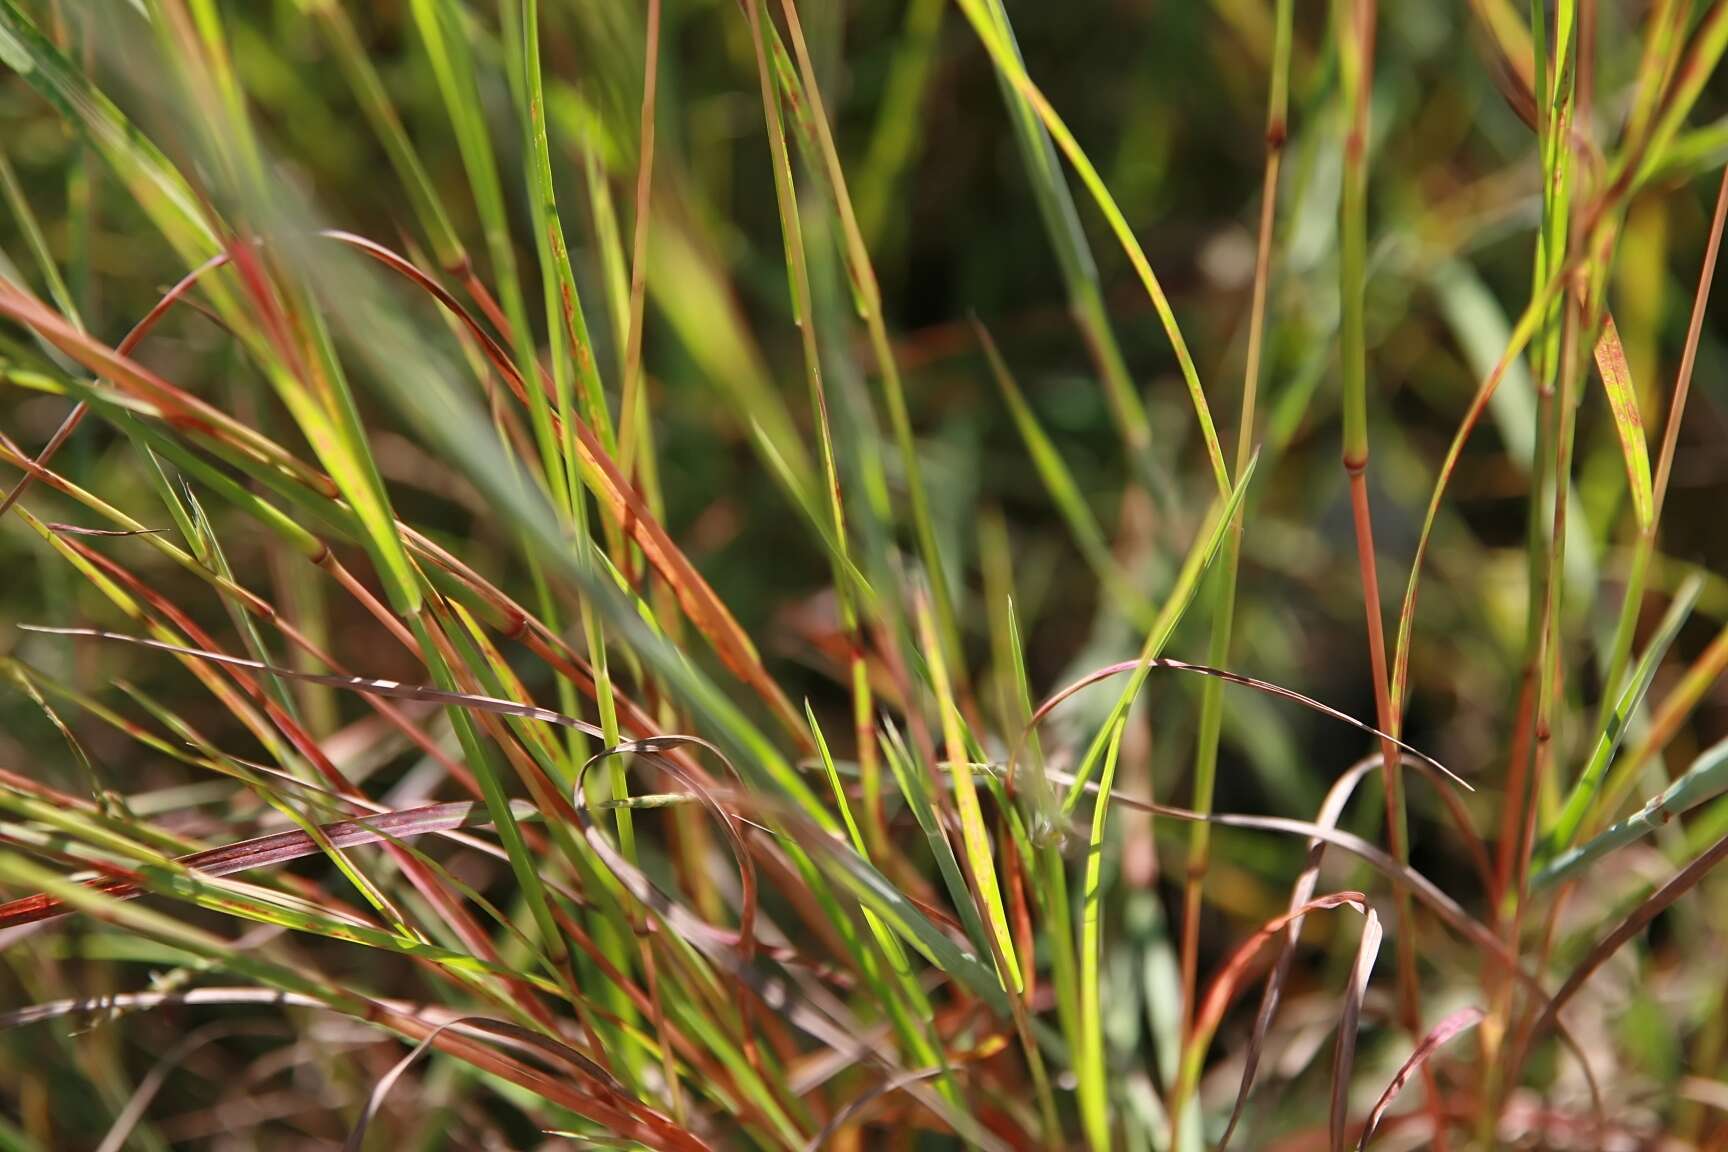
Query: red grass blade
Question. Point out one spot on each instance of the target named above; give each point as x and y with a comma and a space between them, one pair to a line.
1460, 1021
268, 852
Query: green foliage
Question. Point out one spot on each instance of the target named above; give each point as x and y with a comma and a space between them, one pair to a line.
574, 619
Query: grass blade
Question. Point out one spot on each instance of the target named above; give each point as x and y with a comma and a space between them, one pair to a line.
974, 836
1589, 784
1008, 65
1092, 1066
1623, 402
1344, 1054
1456, 1024
1704, 779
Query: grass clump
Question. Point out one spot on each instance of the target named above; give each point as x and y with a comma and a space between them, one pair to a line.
753, 575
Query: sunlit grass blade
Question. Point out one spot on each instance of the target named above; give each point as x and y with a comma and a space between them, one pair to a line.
572, 350
1008, 64
889, 904
1704, 779
315, 989
1073, 256
680, 717
905, 1001
915, 787
1091, 1066
1177, 601
1632, 601
1349, 1021
272, 851
1623, 402
1709, 41
160, 190
974, 835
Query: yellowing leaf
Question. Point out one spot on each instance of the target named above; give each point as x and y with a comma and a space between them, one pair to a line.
1623, 401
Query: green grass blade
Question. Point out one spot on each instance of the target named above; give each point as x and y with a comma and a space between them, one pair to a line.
1064, 492
1584, 792
974, 835
1008, 64
1092, 1067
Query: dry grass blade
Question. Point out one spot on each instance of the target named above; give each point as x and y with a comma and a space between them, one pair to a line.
1300, 894
124, 1124
269, 852
858, 1104
356, 1141
124, 1002
1344, 1054
1457, 1023
622, 1115
388, 688
1173, 665
1401, 875
124, 348
731, 952
1235, 970
117, 533
624, 504
1635, 922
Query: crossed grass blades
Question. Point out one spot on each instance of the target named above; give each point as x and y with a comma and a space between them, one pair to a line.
553, 353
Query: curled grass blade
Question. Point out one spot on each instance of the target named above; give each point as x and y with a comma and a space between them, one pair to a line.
1300, 894
887, 901
1344, 1054
1231, 975
1456, 1024
356, 1141
1172, 665
1200, 556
